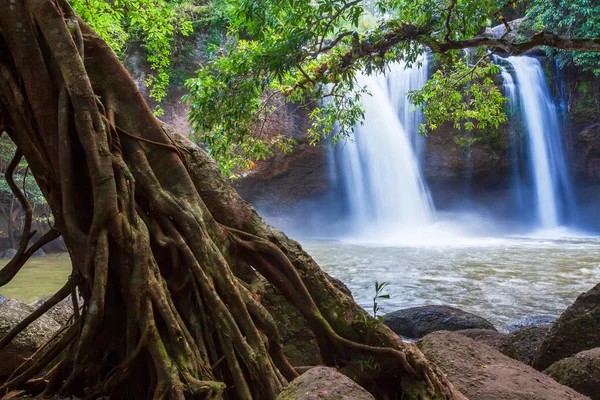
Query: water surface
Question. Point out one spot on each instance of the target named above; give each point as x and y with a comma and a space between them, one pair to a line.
501, 279
40, 277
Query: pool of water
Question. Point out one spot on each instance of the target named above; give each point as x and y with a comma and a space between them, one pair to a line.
501, 279
40, 277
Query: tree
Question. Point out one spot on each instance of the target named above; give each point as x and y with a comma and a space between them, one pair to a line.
310, 52
166, 256
164, 253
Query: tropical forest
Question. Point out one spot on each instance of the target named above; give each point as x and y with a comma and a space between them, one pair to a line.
300, 199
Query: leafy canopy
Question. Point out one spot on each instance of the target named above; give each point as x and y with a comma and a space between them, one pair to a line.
310, 52
154, 23
580, 18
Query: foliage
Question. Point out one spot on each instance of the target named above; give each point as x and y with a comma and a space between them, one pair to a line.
21, 175
155, 23
577, 18
463, 94
310, 53
379, 287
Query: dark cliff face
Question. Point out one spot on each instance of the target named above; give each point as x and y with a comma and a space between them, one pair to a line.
452, 159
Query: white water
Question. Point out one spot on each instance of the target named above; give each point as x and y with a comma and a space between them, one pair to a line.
378, 167
546, 158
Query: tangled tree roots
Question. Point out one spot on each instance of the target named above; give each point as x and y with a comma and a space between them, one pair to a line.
164, 253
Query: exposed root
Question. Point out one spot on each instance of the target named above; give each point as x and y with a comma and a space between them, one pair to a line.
163, 314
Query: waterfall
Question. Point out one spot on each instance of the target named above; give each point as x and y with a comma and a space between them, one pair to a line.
545, 151
379, 166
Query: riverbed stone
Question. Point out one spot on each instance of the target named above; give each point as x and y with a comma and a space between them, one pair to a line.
481, 372
577, 329
323, 383
8, 254
27, 342
39, 253
531, 321
493, 339
526, 341
417, 322
580, 372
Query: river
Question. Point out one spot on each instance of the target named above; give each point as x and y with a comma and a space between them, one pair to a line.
501, 279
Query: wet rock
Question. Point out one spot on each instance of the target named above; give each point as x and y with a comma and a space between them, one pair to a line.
526, 341
535, 320
61, 312
481, 372
8, 253
322, 383
577, 329
27, 342
417, 322
580, 372
493, 339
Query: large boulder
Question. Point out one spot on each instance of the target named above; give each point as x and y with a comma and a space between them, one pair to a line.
526, 341
532, 321
580, 372
61, 312
493, 339
299, 343
322, 383
417, 322
27, 342
483, 373
577, 329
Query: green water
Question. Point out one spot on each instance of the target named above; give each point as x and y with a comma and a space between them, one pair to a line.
40, 277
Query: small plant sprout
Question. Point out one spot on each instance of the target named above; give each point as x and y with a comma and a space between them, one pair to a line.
379, 287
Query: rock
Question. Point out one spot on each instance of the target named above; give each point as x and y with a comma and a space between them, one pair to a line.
8, 253
493, 339
580, 372
299, 343
417, 322
322, 383
526, 341
61, 312
2, 299
39, 253
483, 373
535, 320
27, 342
577, 329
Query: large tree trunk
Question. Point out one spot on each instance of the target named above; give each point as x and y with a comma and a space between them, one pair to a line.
165, 254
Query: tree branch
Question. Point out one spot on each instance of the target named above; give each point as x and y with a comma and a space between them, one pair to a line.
516, 48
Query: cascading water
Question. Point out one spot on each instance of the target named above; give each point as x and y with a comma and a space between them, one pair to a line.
379, 168
545, 151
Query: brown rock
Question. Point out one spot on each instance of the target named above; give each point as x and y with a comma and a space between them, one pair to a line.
322, 383
577, 329
526, 341
580, 372
483, 373
27, 342
493, 339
